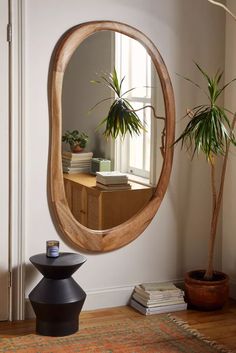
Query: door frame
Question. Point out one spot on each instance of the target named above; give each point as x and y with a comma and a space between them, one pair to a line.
17, 158
5, 164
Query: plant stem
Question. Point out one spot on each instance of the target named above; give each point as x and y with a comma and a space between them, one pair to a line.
163, 135
217, 200
153, 110
213, 182
211, 243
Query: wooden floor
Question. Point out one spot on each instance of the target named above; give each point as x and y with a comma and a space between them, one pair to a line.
219, 325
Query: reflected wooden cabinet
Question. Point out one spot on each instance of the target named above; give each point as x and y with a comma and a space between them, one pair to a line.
101, 209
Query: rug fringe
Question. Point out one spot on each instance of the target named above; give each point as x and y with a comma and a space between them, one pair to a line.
196, 333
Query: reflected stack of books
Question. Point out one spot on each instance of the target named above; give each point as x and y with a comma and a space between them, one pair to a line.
156, 298
112, 181
76, 162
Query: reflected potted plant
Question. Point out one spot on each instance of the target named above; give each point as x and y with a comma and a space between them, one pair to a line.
210, 132
76, 140
121, 117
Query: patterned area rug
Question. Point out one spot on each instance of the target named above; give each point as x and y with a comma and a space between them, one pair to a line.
153, 334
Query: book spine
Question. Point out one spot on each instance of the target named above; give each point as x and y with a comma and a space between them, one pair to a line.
111, 181
114, 186
159, 294
151, 311
158, 303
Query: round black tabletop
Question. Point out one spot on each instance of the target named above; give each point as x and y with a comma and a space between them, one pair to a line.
59, 267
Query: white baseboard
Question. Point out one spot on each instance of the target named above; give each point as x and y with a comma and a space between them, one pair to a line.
96, 299
112, 297
101, 298
108, 298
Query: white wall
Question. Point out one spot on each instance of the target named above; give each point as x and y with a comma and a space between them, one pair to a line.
93, 57
183, 30
229, 220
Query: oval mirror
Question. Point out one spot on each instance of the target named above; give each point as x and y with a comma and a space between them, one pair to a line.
105, 194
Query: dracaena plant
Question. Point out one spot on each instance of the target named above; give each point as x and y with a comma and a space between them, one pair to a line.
210, 131
121, 117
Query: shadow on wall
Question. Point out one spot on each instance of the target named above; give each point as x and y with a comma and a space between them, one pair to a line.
189, 185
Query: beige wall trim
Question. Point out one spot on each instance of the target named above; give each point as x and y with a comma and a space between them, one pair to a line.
100, 298
17, 176
96, 299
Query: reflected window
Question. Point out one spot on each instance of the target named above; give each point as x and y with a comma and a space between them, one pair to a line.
133, 62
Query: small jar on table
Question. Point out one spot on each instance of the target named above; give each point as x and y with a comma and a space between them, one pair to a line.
57, 300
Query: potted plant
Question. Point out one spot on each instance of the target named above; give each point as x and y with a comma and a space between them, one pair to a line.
210, 132
121, 117
76, 140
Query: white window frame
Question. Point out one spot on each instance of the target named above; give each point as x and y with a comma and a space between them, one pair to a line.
121, 147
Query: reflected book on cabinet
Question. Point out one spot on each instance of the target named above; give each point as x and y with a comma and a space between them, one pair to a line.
114, 186
76, 162
109, 178
77, 156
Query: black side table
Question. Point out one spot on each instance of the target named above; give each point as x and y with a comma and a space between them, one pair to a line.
57, 300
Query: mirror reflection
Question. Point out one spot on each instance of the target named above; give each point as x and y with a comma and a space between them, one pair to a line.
108, 179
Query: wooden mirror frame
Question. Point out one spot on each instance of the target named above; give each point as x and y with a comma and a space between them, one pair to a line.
81, 236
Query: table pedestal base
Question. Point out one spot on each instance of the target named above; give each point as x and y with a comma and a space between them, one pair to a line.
57, 304
50, 328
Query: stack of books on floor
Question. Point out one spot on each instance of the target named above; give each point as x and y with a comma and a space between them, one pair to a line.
156, 298
112, 181
76, 162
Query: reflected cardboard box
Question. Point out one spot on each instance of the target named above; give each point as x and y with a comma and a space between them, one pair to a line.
100, 165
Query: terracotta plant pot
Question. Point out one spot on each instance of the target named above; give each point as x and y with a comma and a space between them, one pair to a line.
206, 295
76, 149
